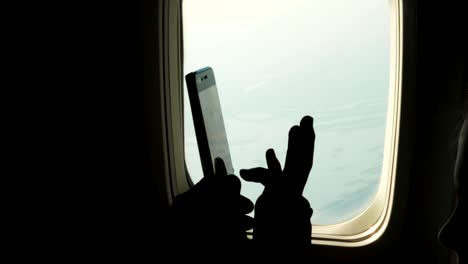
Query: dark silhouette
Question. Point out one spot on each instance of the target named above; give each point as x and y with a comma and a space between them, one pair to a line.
212, 215
95, 150
282, 214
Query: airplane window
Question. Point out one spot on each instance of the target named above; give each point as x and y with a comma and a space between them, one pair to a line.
276, 61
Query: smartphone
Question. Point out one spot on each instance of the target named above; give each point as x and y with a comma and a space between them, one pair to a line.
208, 120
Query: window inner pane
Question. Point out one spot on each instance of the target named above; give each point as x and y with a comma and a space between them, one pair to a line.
276, 61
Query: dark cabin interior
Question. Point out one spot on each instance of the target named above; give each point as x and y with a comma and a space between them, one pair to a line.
116, 154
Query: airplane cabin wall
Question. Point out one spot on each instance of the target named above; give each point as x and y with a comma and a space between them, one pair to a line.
126, 196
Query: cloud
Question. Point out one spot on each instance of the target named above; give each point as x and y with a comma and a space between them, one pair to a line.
363, 182
347, 205
256, 86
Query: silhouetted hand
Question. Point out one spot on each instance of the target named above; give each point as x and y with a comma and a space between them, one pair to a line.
212, 215
282, 215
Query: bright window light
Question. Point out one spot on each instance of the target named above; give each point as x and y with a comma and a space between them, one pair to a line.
276, 61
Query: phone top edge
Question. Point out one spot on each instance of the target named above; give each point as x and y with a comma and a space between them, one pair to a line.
202, 79
204, 69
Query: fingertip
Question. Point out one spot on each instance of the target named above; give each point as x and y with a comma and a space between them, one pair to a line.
272, 162
244, 174
219, 161
294, 130
270, 153
220, 168
257, 174
307, 124
234, 182
247, 206
307, 121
